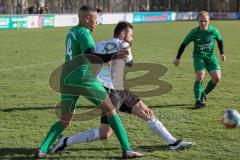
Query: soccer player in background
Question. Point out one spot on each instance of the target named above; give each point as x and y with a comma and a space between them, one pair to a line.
77, 79
204, 37
111, 76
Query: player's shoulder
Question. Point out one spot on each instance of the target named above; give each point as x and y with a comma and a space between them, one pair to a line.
104, 42
213, 28
126, 45
194, 30
121, 43
108, 46
116, 40
80, 30
101, 44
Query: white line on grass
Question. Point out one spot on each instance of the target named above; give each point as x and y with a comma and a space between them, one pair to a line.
30, 66
48, 63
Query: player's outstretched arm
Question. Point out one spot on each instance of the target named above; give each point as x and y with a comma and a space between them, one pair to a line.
103, 58
180, 52
122, 54
220, 47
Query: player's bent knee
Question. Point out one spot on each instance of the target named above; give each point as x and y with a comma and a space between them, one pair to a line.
150, 115
107, 107
199, 79
200, 76
142, 111
216, 79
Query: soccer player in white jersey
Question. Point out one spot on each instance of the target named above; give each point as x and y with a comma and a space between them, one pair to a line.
111, 76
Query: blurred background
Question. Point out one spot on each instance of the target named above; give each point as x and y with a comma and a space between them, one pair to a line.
109, 6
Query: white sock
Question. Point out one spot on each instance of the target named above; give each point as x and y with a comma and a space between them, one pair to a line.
159, 129
85, 136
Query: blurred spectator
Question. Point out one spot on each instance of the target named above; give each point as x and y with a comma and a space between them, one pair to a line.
100, 15
35, 9
69, 6
40, 10
46, 9
99, 10
30, 10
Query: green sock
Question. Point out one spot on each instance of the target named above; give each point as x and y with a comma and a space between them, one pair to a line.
118, 129
52, 135
210, 87
197, 90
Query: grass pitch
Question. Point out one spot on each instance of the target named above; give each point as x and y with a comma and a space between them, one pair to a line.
28, 57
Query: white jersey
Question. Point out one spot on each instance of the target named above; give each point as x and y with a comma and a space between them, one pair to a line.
112, 73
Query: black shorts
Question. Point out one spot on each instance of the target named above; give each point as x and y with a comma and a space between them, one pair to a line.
123, 100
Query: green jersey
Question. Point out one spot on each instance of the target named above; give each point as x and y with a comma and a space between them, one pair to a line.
77, 77
204, 41
78, 40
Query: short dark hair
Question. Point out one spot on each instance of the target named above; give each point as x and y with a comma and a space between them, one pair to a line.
87, 9
121, 26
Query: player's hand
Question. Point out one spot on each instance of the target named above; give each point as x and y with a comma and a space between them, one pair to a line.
122, 54
176, 62
223, 57
124, 51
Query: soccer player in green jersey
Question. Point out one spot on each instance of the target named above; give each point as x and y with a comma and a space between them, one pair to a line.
77, 78
204, 37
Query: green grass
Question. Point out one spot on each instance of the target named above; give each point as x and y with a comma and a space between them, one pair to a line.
28, 57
